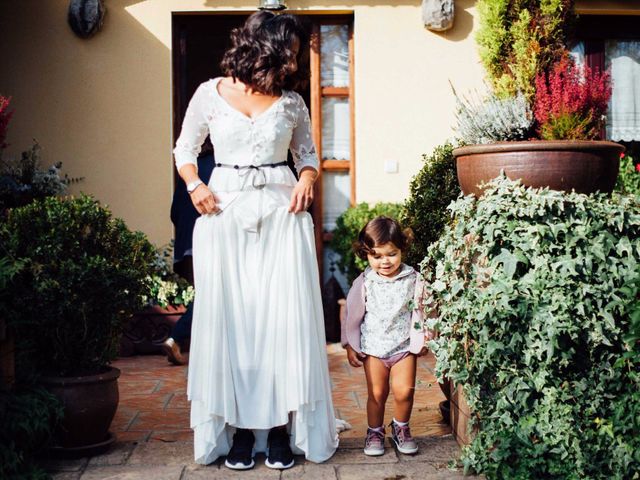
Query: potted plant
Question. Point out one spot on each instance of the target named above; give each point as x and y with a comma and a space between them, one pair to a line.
541, 122
165, 300
83, 276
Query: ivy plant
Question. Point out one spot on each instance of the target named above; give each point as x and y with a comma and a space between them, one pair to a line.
537, 295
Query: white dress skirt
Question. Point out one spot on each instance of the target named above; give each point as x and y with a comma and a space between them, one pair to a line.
258, 357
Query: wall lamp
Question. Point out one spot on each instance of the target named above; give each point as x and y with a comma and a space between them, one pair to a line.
272, 5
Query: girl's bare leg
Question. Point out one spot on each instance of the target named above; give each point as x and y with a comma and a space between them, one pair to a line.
378, 387
403, 386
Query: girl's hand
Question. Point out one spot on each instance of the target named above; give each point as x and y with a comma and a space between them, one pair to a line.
355, 358
423, 352
302, 194
204, 200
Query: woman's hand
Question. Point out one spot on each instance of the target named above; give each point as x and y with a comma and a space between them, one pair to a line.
355, 358
204, 200
302, 194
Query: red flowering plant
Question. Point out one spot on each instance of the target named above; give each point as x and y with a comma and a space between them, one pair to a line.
5, 116
571, 102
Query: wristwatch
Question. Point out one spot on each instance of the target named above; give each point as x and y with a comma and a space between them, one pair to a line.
191, 186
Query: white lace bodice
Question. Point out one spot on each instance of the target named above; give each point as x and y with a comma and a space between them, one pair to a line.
241, 140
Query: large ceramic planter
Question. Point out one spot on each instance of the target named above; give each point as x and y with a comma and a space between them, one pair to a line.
585, 166
146, 330
89, 404
460, 416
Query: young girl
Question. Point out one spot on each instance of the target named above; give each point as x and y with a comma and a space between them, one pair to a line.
384, 330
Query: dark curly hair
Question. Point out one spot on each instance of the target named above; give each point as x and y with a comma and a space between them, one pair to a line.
262, 56
379, 231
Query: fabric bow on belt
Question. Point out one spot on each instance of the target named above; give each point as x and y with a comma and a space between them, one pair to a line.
253, 203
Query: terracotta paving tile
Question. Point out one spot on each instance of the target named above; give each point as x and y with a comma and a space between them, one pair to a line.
162, 420
135, 436
185, 435
154, 407
124, 417
178, 400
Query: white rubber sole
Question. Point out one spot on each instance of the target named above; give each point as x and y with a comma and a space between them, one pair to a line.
239, 466
278, 465
374, 453
406, 451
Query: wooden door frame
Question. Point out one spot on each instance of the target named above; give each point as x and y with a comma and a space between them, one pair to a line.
316, 95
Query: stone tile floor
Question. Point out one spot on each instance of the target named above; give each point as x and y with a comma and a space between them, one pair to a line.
154, 440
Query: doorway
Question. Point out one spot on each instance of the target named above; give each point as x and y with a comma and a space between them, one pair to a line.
199, 42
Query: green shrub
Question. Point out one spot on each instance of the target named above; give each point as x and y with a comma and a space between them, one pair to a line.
538, 301
27, 416
433, 188
628, 177
348, 226
83, 276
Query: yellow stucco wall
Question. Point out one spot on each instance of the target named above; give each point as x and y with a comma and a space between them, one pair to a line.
103, 106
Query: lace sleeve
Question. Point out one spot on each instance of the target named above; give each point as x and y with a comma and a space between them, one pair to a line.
194, 130
302, 148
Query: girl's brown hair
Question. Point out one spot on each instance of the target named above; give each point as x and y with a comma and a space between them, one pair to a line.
379, 231
262, 56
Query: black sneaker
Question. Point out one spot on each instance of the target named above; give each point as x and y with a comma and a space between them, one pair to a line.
240, 456
280, 454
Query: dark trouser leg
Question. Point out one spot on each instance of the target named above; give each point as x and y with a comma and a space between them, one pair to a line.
182, 329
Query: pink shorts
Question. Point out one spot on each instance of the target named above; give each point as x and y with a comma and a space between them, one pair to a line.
393, 359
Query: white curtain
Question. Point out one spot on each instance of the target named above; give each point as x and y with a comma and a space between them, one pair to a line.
623, 118
336, 123
577, 54
334, 55
336, 197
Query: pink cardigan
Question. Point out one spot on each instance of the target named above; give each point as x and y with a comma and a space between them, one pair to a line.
350, 327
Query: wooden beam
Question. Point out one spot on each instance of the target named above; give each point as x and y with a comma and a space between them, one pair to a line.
335, 91
336, 165
352, 113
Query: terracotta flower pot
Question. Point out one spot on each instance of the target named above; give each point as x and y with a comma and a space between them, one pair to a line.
89, 404
585, 166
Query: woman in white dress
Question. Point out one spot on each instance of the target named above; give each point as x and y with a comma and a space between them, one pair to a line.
258, 374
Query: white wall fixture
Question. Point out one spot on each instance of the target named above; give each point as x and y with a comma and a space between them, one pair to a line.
390, 166
437, 15
271, 5
85, 17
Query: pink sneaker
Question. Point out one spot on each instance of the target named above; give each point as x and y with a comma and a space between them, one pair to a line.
401, 436
374, 443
